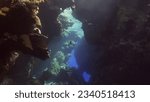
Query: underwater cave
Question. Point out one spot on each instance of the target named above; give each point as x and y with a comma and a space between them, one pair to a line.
79, 42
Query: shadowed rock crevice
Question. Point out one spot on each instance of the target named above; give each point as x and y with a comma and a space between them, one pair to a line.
120, 29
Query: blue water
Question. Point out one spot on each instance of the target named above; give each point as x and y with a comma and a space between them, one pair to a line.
86, 76
72, 61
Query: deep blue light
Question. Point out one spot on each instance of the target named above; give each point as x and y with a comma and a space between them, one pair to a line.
86, 76
72, 61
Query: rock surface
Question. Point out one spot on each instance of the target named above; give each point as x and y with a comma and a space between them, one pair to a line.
119, 33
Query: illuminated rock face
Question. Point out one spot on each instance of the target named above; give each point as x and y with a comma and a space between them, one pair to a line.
120, 30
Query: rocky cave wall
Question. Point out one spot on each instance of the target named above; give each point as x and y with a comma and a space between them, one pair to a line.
120, 30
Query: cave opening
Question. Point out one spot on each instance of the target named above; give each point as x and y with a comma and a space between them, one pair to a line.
64, 48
